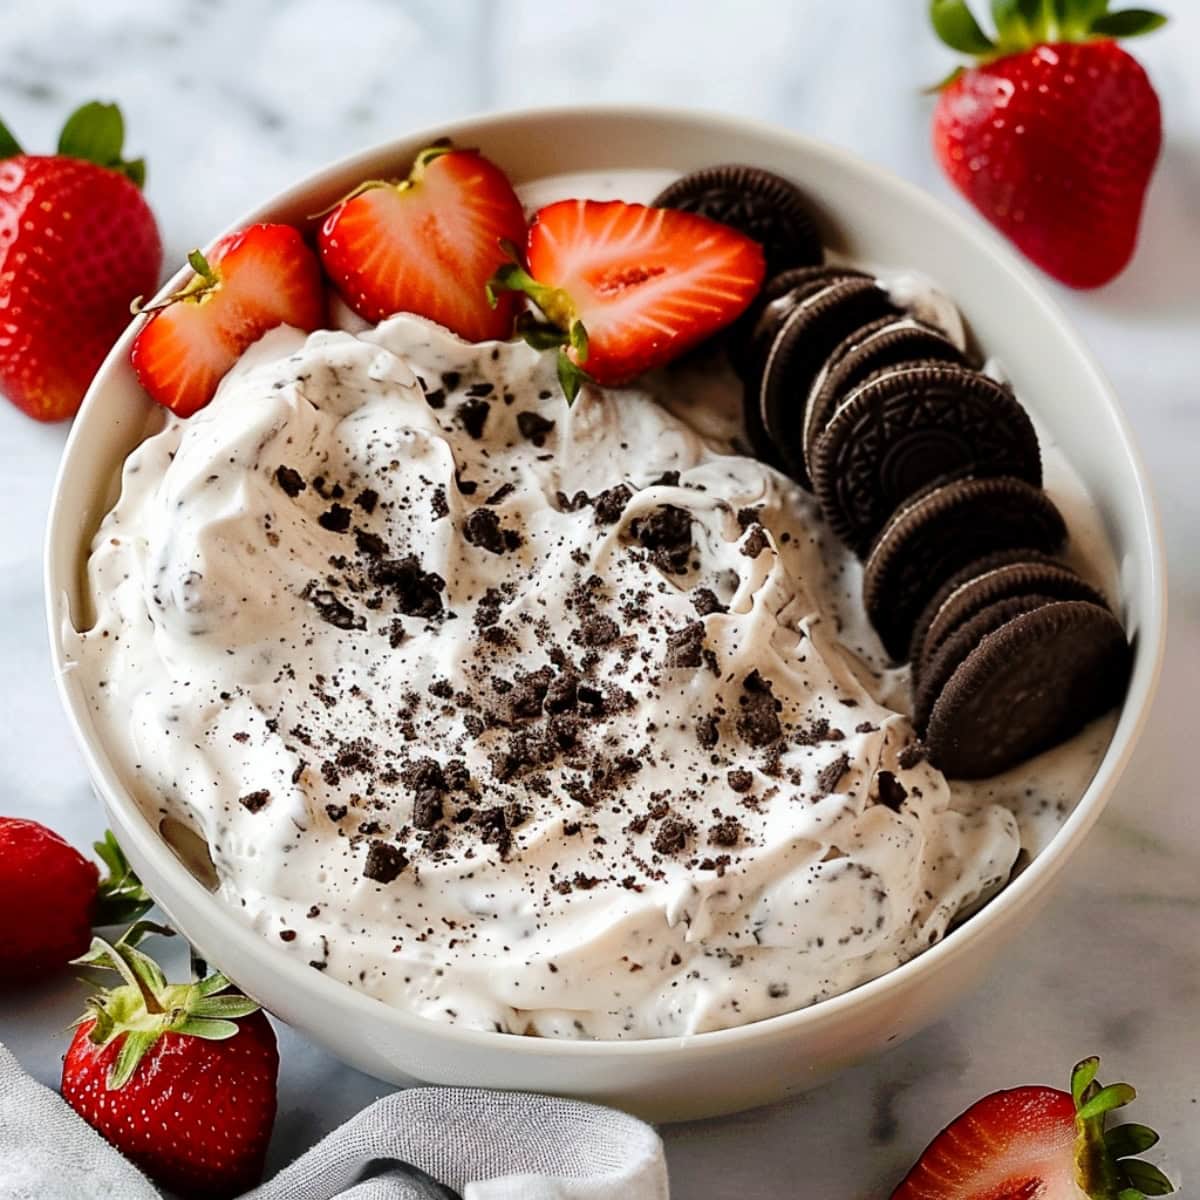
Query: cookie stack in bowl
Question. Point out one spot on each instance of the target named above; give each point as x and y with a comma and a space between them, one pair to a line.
930, 471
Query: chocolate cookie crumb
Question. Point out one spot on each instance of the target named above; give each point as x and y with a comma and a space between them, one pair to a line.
336, 518
685, 647
384, 862
610, 504
705, 602
534, 427
667, 534
740, 779
473, 414
892, 792
755, 543
672, 836
727, 832
707, 731
255, 801
367, 499
758, 723
290, 480
831, 775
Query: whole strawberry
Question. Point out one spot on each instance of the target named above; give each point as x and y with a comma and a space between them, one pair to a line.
181, 1078
40, 873
1054, 134
77, 244
1040, 1143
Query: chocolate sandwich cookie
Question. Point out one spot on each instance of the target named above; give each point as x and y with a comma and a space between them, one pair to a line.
888, 342
1033, 682
982, 584
940, 665
751, 335
806, 339
906, 426
764, 206
937, 533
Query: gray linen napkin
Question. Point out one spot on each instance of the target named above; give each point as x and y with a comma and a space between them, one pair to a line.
475, 1144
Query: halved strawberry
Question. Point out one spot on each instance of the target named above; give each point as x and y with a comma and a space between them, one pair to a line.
1039, 1143
427, 244
626, 287
248, 283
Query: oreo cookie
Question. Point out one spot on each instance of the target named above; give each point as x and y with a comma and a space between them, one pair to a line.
1033, 682
770, 209
983, 583
938, 668
907, 426
805, 340
939, 532
751, 335
888, 342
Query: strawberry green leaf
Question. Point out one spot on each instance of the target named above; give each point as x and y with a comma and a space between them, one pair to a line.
1116, 1095
1130, 22
207, 1028
539, 334
1123, 1141
120, 898
213, 983
95, 133
571, 377
955, 25
133, 1050
1146, 1177
231, 1007
9, 146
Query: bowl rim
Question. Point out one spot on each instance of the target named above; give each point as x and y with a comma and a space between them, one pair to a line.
1000, 910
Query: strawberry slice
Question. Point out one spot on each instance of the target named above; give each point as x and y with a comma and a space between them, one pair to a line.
427, 244
249, 283
1039, 1143
625, 287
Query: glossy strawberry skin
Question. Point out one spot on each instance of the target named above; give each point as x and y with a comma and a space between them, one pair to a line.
1056, 146
1011, 1145
47, 894
267, 276
78, 243
648, 284
428, 246
196, 1116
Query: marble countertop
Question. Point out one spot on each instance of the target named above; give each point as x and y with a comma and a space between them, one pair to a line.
231, 101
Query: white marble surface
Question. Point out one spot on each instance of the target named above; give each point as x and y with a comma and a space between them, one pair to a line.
230, 101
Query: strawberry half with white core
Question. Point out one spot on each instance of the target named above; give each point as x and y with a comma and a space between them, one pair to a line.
181, 1078
248, 283
1039, 1143
625, 287
427, 244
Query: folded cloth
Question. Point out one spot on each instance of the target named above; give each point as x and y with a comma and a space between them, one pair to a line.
422, 1144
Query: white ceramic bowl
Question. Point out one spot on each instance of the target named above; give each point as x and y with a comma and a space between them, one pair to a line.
877, 218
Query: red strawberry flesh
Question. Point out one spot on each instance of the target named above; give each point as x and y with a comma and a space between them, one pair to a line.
1014, 1145
262, 277
646, 283
428, 245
